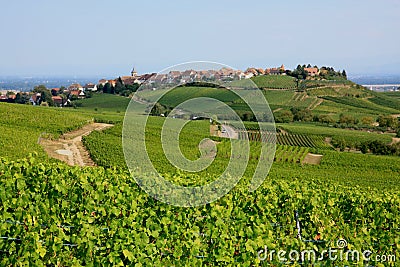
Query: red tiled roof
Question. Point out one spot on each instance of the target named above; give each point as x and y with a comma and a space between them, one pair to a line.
75, 92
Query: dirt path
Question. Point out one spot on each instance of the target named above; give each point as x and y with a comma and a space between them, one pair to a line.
140, 100
313, 159
69, 147
315, 104
395, 140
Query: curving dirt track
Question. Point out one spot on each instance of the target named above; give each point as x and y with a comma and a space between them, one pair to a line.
69, 147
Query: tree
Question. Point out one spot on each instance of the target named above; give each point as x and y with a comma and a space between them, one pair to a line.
107, 88
45, 94
160, 110
341, 144
388, 122
88, 94
364, 147
9, 93
367, 120
301, 114
21, 98
283, 116
325, 119
344, 74
119, 86
132, 87
347, 119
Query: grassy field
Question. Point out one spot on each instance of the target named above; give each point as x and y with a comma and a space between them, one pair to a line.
22, 125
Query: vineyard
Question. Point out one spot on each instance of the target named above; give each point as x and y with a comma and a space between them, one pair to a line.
179, 95
360, 103
326, 83
21, 126
392, 94
350, 136
289, 154
384, 100
284, 139
253, 133
52, 214
275, 82
342, 168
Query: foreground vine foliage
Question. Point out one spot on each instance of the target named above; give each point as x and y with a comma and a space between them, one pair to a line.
53, 214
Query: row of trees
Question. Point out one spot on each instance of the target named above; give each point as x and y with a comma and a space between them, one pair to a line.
328, 73
294, 114
45, 96
386, 123
119, 89
375, 147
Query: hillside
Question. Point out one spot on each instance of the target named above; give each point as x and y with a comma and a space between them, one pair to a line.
22, 125
268, 82
321, 97
64, 215
105, 108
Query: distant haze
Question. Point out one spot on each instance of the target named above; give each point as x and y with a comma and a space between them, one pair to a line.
106, 38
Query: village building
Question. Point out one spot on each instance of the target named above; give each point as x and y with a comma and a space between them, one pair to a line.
90, 87
312, 71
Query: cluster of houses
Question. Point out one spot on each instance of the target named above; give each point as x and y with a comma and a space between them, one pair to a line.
63, 96
60, 96
187, 76
8, 96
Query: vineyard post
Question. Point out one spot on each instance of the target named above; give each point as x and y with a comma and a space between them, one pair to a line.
296, 216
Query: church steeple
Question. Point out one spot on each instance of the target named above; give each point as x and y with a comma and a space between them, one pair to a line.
133, 72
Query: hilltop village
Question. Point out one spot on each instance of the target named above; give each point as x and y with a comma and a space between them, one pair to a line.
126, 85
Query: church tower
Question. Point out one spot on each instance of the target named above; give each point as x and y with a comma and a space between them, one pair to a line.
133, 72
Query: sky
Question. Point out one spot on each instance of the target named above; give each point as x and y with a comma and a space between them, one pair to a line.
107, 38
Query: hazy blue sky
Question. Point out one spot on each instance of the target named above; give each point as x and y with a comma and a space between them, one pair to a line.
100, 37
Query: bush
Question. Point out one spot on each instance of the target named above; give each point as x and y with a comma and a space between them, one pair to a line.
347, 119
388, 121
301, 114
283, 116
325, 119
380, 148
